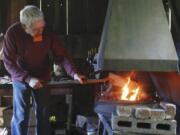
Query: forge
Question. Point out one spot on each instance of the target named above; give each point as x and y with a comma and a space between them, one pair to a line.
138, 56
131, 104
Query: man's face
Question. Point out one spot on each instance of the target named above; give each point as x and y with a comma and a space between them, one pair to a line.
36, 29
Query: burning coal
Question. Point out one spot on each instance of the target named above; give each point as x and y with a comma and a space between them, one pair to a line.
126, 87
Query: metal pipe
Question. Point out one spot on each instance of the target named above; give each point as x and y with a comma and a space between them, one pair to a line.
40, 5
67, 17
169, 18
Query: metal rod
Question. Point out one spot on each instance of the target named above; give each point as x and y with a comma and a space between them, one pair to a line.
68, 83
67, 17
40, 5
169, 19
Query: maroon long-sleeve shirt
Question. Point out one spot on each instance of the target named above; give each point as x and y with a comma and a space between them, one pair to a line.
24, 58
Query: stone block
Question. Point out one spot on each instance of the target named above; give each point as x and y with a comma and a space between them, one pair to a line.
157, 114
170, 110
124, 111
142, 113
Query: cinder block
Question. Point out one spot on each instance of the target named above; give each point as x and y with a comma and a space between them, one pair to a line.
32, 130
133, 125
60, 132
147, 119
1, 111
1, 121
142, 113
32, 117
4, 131
7, 116
170, 110
92, 133
157, 114
80, 121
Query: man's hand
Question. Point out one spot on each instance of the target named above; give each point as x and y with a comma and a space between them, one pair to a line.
35, 83
80, 78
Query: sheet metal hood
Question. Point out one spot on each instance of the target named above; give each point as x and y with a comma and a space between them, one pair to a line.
136, 36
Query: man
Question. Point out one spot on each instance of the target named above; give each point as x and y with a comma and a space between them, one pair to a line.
27, 46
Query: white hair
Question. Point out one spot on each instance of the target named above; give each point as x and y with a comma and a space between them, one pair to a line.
30, 14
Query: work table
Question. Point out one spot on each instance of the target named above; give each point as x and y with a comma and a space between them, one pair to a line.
56, 87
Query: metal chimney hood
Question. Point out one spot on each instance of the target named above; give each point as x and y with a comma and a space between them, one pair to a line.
136, 37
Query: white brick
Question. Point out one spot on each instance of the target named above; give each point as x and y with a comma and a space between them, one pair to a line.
157, 114
142, 113
170, 110
124, 111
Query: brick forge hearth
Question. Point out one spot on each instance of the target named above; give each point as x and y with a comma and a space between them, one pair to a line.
147, 114
154, 118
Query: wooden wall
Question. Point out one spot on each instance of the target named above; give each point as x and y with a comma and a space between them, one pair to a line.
86, 19
55, 15
12, 11
2, 15
85, 16
9, 11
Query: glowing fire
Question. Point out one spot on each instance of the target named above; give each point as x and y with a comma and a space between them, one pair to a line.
128, 93
128, 87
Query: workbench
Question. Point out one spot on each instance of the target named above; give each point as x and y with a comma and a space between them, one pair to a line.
64, 87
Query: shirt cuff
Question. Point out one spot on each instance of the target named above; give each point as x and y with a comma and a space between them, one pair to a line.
27, 79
